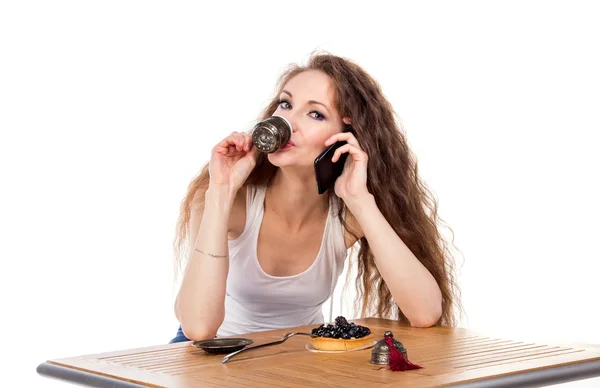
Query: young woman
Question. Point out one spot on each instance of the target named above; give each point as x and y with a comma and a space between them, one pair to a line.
264, 250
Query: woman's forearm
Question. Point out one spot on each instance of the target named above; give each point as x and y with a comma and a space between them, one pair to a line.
200, 301
412, 286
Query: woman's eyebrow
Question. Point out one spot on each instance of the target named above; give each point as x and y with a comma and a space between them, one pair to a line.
319, 103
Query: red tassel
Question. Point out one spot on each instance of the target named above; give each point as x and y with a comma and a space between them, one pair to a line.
397, 361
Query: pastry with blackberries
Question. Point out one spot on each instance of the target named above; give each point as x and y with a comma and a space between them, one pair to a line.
341, 336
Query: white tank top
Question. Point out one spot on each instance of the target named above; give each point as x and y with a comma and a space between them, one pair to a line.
256, 301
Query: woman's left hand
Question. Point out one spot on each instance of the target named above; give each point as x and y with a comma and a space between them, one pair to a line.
352, 184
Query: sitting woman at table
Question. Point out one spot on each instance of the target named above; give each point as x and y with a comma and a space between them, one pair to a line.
265, 250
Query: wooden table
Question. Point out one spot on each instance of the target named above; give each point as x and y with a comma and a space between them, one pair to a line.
450, 357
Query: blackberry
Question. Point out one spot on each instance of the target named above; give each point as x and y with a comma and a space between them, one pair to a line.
342, 329
359, 331
341, 321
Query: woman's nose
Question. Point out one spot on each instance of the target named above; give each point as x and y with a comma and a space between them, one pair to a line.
292, 117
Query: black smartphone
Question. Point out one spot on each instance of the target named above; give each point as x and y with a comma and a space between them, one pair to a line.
327, 171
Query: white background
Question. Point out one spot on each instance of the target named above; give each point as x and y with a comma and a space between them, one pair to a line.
108, 110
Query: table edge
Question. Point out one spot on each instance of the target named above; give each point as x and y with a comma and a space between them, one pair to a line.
76, 376
541, 377
537, 378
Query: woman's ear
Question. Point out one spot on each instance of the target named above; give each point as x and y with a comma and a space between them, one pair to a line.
347, 125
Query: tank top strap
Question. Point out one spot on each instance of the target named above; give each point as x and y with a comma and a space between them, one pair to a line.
255, 199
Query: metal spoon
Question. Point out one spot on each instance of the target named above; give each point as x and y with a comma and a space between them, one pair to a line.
282, 340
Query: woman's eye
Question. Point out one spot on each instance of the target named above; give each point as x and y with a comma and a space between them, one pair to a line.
284, 104
316, 115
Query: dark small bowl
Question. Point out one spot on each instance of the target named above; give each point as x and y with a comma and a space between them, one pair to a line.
222, 345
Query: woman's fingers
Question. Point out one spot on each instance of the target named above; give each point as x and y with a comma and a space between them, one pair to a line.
240, 142
347, 136
243, 141
357, 154
247, 142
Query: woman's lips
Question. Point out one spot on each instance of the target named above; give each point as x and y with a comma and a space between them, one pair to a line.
288, 145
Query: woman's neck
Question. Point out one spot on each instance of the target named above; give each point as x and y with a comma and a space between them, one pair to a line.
293, 197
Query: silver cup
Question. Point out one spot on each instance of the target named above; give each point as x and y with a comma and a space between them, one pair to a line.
271, 134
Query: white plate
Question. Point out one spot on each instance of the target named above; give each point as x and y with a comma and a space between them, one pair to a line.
311, 349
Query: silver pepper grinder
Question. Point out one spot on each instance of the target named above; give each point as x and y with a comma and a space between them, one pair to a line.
271, 134
381, 352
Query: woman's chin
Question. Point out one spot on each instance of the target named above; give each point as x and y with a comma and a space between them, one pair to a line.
281, 159
287, 159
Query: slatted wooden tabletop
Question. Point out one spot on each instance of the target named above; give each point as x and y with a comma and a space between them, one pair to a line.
449, 356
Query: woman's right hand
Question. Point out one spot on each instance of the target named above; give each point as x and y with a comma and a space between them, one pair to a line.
232, 160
